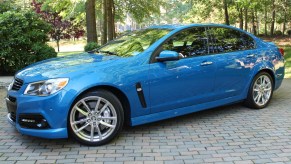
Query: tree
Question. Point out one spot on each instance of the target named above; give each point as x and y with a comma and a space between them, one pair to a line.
23, 40
104, 24
226, 16
273, 17
60, 27
91, 21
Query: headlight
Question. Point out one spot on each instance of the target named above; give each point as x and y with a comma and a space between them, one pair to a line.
45, 88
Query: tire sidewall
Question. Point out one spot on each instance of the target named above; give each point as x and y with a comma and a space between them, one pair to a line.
119, 112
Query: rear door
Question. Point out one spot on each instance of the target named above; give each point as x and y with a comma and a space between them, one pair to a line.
235, 57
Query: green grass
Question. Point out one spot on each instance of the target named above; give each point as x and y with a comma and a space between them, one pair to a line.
288, 61
60, 54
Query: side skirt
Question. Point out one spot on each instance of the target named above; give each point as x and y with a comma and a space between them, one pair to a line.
182, 111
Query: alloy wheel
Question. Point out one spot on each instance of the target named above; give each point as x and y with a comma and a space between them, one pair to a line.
93, 119
262, 90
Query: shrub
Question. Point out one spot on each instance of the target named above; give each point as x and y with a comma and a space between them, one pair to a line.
278, 33
23, 41
289, 32
91, 46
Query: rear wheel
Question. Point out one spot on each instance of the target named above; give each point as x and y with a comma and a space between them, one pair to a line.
96, 118
260, 91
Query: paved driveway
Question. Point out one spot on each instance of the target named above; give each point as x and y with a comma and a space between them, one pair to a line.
230, 134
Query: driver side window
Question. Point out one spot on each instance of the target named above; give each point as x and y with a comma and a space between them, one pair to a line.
188, 43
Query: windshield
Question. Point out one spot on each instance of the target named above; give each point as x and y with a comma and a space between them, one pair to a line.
134, 42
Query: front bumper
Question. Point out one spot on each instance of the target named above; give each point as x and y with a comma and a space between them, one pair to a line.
44, 117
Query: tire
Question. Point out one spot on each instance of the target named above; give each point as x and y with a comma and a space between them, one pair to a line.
260, 91
96, 118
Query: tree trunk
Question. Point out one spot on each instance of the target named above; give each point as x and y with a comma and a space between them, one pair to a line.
258, 23
109, 20
113, 21
266, 32
226, 16
91, 21
58, 45
273, 18
286, 7
246, 18
104, 32
254, 30
241, 19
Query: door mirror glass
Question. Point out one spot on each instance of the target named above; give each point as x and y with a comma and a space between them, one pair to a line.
167, 56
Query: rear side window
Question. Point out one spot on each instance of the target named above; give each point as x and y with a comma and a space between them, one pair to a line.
224, 40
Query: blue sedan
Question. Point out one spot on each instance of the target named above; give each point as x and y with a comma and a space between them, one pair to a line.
141, 77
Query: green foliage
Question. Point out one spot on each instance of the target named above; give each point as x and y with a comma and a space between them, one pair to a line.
7, 5
289, 32
287, 57
23, 40
91, 46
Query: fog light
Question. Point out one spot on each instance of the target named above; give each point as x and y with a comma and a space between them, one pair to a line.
33, 121
43, 123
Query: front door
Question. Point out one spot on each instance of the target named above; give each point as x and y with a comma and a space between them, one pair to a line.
185, 82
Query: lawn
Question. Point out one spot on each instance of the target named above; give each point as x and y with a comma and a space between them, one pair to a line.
288, 61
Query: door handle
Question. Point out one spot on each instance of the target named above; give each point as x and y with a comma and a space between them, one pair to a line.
250, 55
206, 63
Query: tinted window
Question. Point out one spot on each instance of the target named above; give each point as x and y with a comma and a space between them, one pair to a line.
189, 43
227, 40
134, 42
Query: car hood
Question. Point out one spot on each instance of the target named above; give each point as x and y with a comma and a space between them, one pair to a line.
64, 66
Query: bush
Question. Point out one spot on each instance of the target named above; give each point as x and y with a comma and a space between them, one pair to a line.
278, 33
23, 41
289, 32
91, 46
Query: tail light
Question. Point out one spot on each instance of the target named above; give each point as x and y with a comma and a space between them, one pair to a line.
281, 51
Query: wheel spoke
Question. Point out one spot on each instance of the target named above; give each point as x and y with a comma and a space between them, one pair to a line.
99, 132
80, 121
106, 124
267, 89
256, 98
86, 106
92, 132
97, 105
81, 111
83, 127
256, 90
259, 98
109, 118
103, 108
262, 80
263, 99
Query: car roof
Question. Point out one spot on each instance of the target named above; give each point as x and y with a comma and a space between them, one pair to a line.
182, 26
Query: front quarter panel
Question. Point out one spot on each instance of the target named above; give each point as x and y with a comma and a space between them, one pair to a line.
123, 79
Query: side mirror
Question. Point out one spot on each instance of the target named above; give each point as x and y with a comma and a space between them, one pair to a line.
167, 56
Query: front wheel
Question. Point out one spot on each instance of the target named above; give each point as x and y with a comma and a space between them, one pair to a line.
96, 118
260, 91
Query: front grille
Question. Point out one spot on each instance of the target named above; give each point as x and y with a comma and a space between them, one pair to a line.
17, 84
